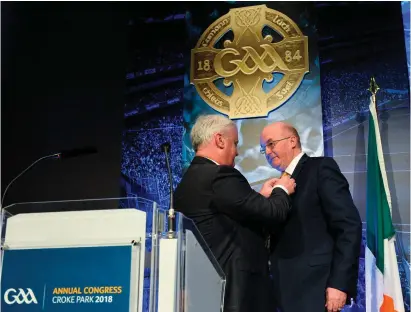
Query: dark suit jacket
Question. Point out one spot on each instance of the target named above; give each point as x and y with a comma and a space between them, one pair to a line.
319, 245
231, 216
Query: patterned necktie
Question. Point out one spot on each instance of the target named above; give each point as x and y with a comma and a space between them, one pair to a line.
285, 174
268, 238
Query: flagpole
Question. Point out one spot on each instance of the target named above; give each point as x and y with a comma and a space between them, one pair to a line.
374, 89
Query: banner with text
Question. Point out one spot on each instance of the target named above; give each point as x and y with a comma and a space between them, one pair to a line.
66, 279
256, 65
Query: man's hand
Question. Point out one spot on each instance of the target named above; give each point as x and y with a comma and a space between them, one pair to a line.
335, 299
268, 187
288, 183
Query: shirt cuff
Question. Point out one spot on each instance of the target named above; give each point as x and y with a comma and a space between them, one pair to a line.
282, 187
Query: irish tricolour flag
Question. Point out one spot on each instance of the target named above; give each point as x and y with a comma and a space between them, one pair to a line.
383, 289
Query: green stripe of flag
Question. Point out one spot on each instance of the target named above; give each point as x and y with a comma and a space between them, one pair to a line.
379, 222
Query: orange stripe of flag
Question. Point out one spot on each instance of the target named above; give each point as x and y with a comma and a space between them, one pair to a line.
387, 305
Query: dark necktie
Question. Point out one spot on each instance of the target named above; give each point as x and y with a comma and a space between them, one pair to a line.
268, 238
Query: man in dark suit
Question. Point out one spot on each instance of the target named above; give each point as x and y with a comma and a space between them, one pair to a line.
230, 215
315, 253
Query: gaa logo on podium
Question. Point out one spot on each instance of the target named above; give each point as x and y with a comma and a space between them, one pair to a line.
248, 60
19, 296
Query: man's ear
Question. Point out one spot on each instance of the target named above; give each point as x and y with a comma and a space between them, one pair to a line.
219, 140
293, 141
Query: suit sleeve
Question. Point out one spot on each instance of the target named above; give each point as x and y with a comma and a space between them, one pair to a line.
344, 224
233, 195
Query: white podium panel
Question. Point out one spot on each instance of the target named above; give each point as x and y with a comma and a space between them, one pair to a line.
75, 228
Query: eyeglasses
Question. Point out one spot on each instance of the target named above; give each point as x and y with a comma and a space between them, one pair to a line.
271, 145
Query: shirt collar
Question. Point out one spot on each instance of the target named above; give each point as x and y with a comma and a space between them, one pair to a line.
291, 167
212, 161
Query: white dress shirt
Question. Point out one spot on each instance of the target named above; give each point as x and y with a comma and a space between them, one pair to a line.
290, 169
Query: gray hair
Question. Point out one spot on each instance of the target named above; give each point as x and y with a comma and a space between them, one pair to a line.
206, 126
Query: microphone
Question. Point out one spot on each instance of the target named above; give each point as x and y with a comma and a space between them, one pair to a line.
2, 215
77, 152
166, 147
61, 155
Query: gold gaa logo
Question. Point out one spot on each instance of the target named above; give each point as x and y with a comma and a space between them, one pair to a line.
248, 60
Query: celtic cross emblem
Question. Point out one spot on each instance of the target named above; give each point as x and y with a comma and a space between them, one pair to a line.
248, 60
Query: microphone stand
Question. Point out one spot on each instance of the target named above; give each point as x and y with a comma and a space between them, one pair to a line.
171, 213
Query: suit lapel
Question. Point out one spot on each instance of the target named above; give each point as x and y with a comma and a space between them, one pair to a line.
299, 166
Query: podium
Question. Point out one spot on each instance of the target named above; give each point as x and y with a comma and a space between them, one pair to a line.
105, 255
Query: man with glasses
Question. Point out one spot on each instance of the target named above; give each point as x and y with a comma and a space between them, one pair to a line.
231, 216
315, 253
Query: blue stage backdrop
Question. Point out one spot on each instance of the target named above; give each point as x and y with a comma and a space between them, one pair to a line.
406, 12
159, 108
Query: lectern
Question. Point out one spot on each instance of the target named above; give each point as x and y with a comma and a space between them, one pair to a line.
105, 255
